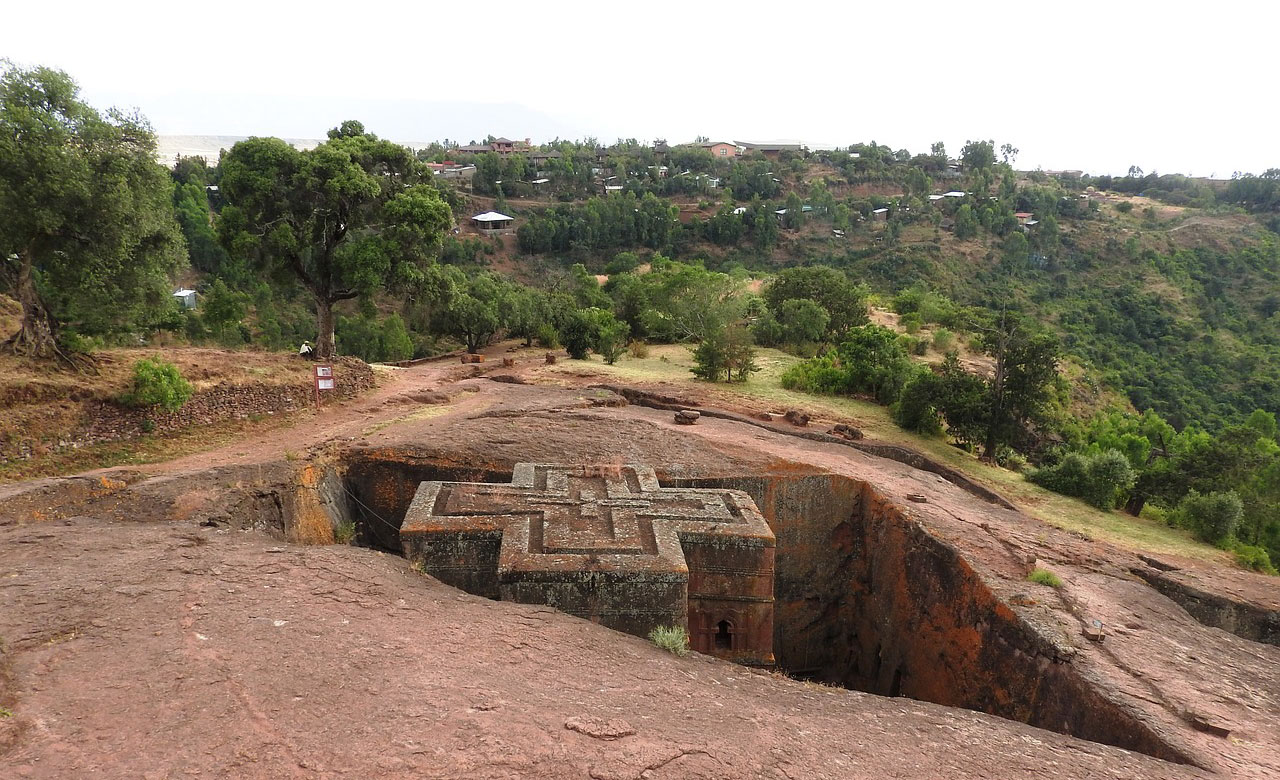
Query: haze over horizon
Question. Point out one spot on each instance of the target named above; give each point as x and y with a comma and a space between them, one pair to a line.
1099, 88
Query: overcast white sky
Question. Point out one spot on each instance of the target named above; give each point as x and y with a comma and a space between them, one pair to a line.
1169, 86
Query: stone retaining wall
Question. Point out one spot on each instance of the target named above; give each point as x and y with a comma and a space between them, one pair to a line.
107, 421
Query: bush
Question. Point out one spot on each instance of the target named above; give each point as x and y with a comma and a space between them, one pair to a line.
711, 358
1251, 557
1154, 513
911, 322
158, 382
1101, 480
673, 639
1211, 517
638, 349
611, 338
1044, 577
547, 336
396, 343
622, 263
1124, 207
916, 409
943, 340
578, 334
1009, 458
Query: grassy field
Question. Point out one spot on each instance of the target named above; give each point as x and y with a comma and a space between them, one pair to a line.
671, 363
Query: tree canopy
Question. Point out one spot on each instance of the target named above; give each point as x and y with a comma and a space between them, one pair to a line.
88, 235
355, 214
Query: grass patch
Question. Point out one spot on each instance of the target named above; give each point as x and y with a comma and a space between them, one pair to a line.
345, 533
1044, 577
673, 639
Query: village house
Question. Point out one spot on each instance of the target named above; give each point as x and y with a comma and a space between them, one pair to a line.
492, 222
720, 148
772, 151
501, 146
185, 298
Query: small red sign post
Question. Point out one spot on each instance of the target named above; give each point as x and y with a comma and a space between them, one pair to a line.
323, 375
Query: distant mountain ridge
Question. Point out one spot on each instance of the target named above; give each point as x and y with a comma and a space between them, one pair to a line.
170, 147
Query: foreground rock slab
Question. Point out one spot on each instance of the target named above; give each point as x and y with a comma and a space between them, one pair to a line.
172, 651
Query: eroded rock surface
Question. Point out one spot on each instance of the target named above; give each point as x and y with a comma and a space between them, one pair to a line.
158, 621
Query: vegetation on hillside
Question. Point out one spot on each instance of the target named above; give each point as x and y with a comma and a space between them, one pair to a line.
1155, 294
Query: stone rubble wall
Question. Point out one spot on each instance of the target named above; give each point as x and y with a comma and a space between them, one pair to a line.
108, 421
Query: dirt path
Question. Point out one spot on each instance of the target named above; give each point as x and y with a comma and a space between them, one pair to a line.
399, 394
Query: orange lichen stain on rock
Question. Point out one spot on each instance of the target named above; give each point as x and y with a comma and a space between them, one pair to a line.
311, 524
109, 485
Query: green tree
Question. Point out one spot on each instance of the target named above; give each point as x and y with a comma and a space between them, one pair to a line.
844, 301
476, 313
578, 333
1026, 368
978, 155
764, 226
795, 211
611, 336
711, 356
349, 217
739, 354
395, 340
223, 309
87, 235
191, 206
803, 321
966, 222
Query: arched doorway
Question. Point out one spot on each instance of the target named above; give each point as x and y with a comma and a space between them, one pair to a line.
724, 635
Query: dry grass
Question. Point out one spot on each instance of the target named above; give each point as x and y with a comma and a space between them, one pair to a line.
40, 403
148, 449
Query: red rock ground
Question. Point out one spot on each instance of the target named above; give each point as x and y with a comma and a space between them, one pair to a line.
138, 643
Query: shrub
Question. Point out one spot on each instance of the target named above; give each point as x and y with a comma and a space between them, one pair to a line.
673, 639
916, 409
1124, 207
1101, 480
711, 357
1256, 558
396, 343
943, 340
1009, 458
1154, 513
1110, 476
911, 322
345, 533
1211, 517
1044, 577
158, 382
638, 349
546, 336
578, 333
622, 263
611, 338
